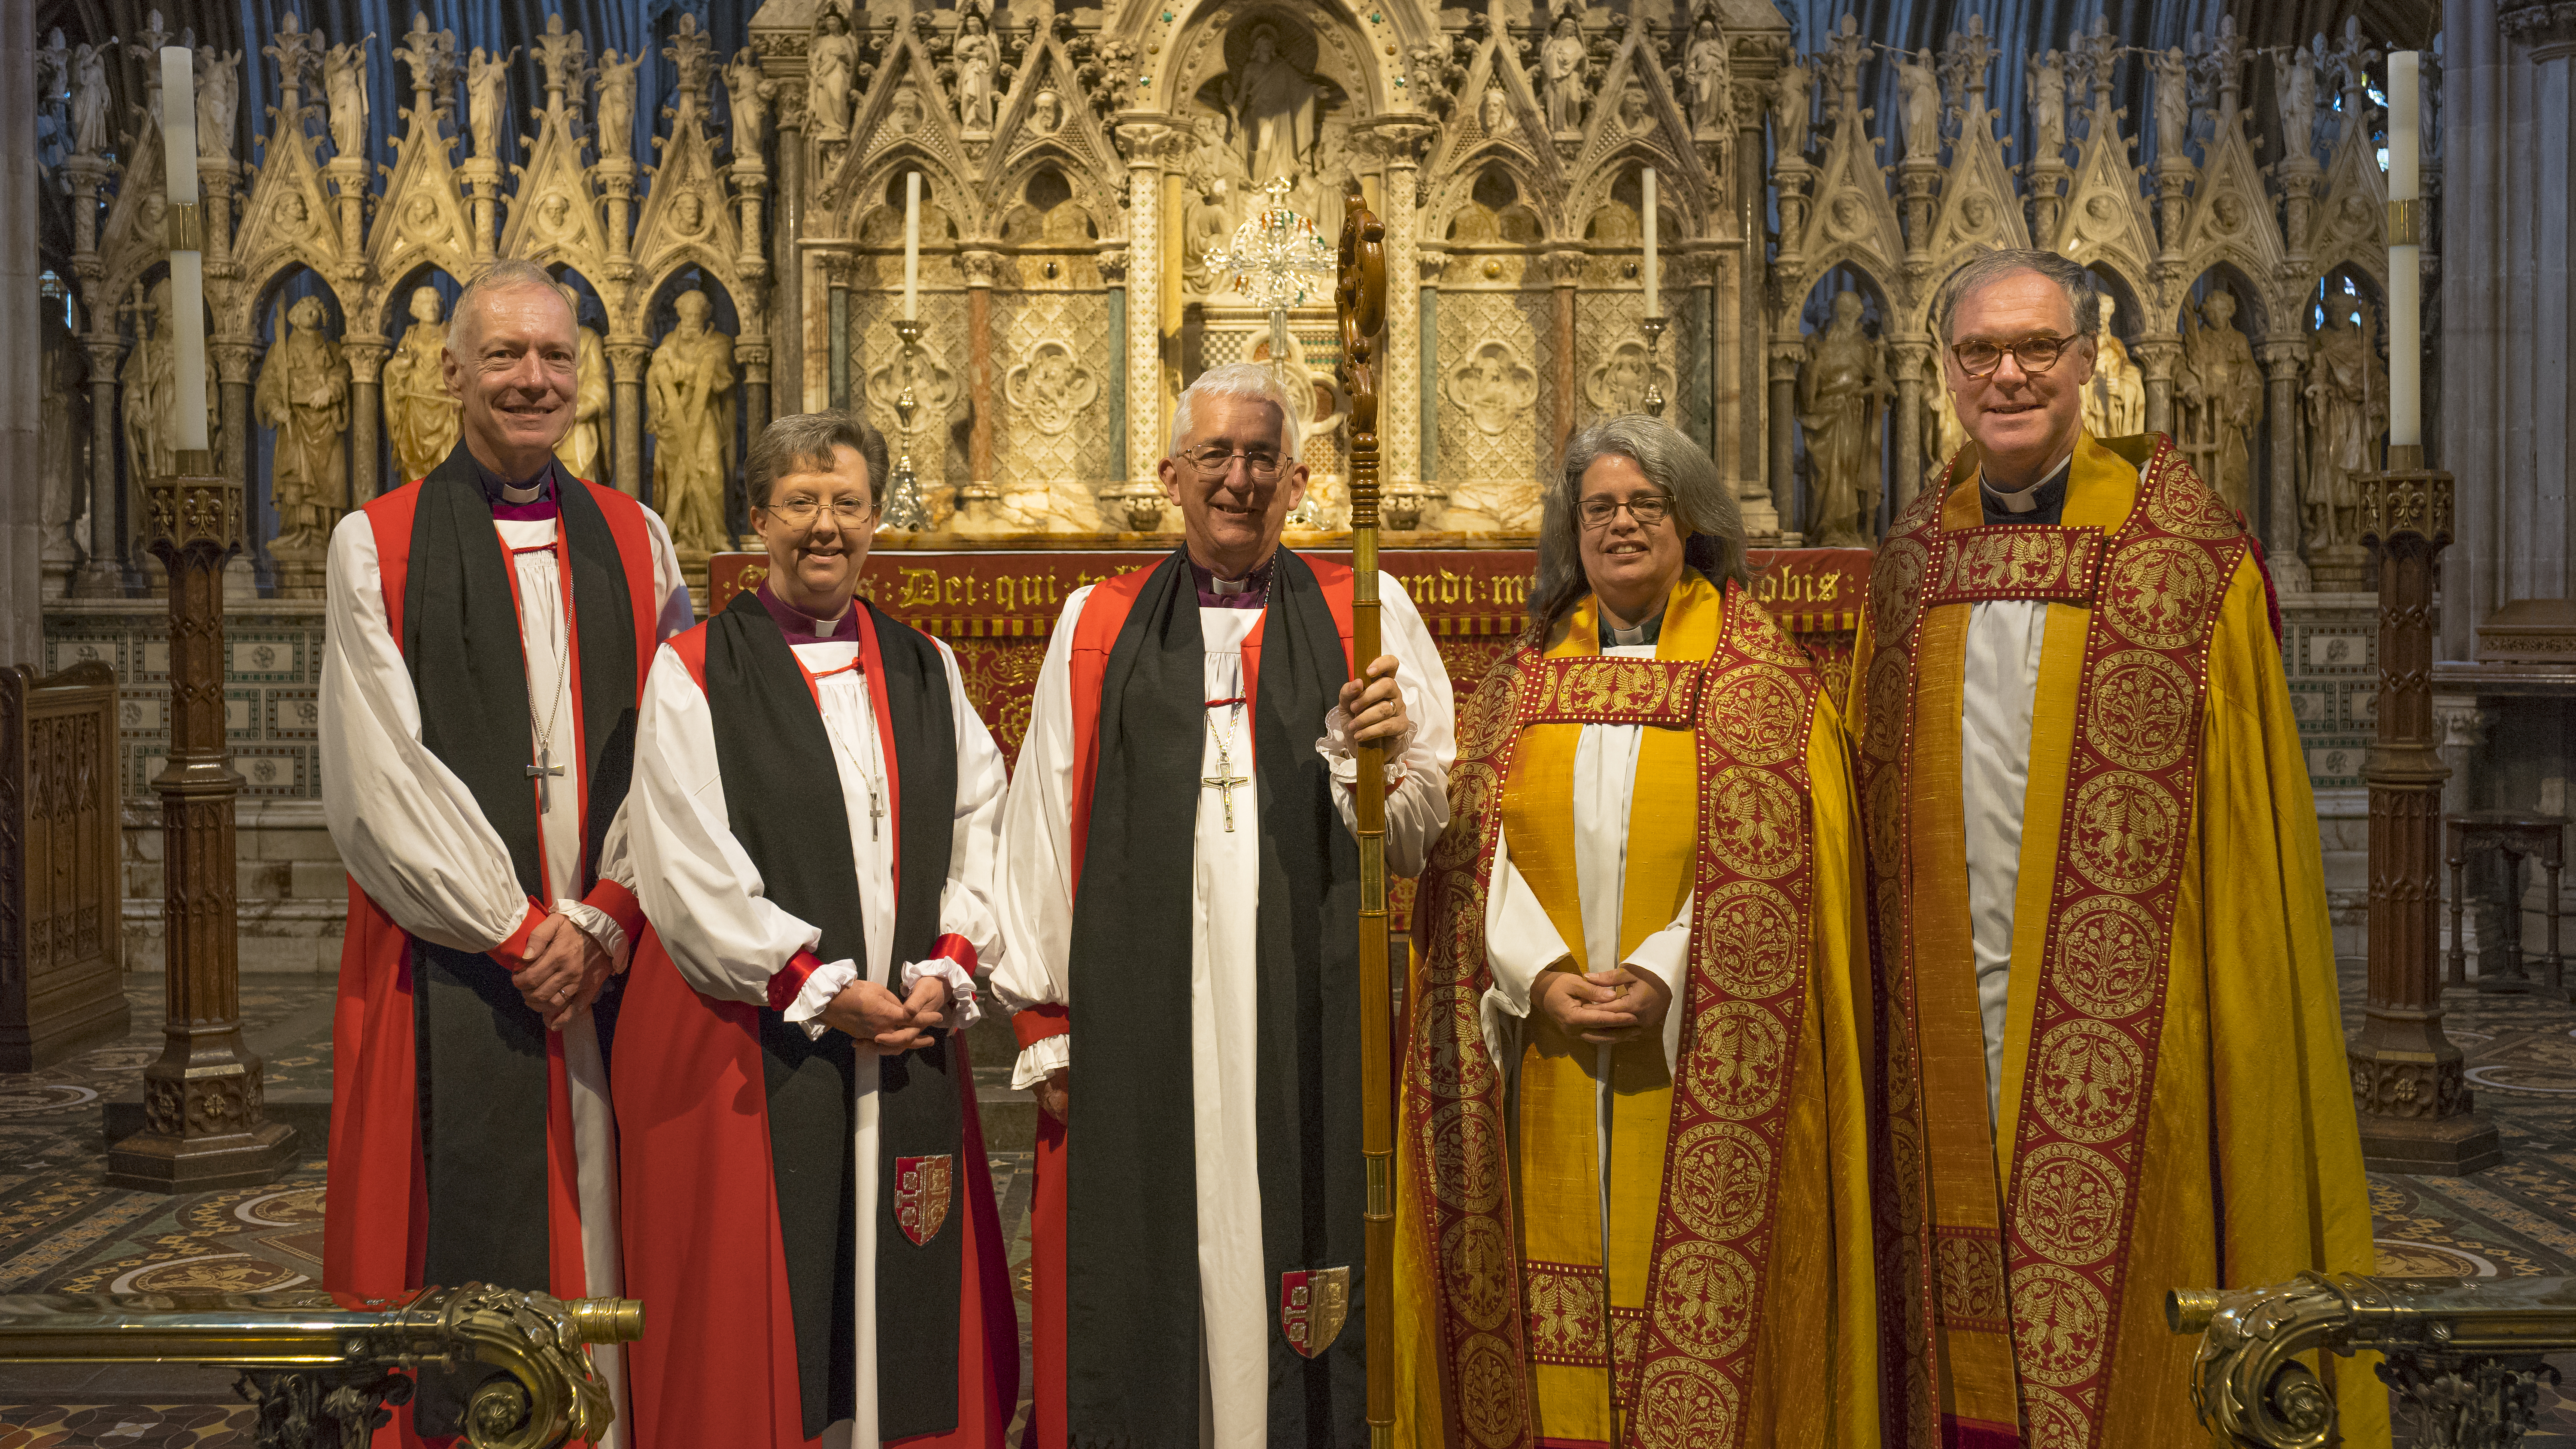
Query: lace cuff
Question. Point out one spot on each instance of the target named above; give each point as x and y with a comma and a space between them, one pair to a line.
827, 981
1049, 1056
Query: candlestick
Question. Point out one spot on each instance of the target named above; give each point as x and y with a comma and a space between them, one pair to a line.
1653, 279
2405, 274
911, 245
187, 257
1653, 327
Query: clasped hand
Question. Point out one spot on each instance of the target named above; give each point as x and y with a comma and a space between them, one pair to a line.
1605, 1008
563, 971
886, 1023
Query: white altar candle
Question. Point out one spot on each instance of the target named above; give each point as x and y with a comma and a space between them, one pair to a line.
2405, 273
1654, 278
911, 245
187, 269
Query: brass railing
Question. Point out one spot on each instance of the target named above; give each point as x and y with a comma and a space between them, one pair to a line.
322, 1368
2464, 1358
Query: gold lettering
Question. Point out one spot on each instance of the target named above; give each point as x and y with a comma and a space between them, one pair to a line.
1003, 593
920, 588
960, 592
1827, 586
1513, 590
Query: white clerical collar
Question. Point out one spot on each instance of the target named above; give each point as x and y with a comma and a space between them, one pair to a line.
2026, 500
1227, 586
1627, 638
519, 497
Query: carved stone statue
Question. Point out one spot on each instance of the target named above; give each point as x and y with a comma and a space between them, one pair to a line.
487, 81
1277, 112
1790, 107
2048, 105
1046, 113
903, 113
304, 394
833, 58
89, 100
151, 395
2115, 401
2173, 104
1564, 66
1489, 111
1207, 225
218, 101
1052, 390
1632, 107
2298, 88
616, 115
690, 383
1919, 88
749, 96
2347, 396
344, 83
2221, 389
582, 447
54, 87
1705, 68
977, 58
1842, 394
420, 413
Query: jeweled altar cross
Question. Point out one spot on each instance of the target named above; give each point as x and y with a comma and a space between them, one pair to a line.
1274, 252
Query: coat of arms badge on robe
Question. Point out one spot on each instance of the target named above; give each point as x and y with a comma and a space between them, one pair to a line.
1312, 1306
921, 1195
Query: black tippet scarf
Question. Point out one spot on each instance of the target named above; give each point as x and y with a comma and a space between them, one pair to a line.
481, 1053
1131, 1217
774, 755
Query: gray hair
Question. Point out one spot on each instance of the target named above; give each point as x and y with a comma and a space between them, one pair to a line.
500, 277
2083, 289
802, 443
1673, 463
1254, 380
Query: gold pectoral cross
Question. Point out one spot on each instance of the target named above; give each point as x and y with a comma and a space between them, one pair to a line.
540, 772
1224, 781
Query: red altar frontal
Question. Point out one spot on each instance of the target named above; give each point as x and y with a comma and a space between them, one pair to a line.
995, 605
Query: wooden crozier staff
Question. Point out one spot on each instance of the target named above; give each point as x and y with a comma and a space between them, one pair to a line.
1361, 300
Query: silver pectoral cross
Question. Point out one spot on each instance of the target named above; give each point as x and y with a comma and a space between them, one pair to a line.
1224, 782
540, 772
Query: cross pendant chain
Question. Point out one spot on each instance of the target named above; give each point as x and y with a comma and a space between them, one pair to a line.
1225, 779
876, 808
541, 771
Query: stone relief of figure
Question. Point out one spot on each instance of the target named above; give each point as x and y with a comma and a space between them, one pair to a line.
2048, 105
1493, 387
1489, 111
2115, 401
420, 413
2173, 103
1277, 112
1842, 395
583, 446
2347, 395
2221, 389
304, 394
616, 113
1919, 87
1046, 113
933, 386
89, 100
2298, 86
690, 383
219, 100
62, 437
151, 394
1790, 106
344, 84
1632, 107
1564, 66
487, 81
833, 61
749, 96
1206, 227
1052, 390
1706, 70
1617, 383
977, 58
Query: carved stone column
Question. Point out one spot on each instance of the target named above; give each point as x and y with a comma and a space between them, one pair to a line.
617, 189
627, 360
482, 178
836, 275
348, 178
1113, 399
1915, 179
2156, 354
1565, 269
366, 417
2417, 1114
1788, 354
203, 1124
1913, 359
1424, 385
2173, 186
2284, 362
101, 575
786, 264
1143, 142
978, 500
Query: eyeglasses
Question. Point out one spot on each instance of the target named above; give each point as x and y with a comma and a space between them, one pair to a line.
799, 512
2037, 353
1262, 467
1648, 509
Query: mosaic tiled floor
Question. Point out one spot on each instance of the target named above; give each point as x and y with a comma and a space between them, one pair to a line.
61, 1231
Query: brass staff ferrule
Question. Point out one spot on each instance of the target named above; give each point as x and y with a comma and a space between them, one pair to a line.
184, 226
2404, 219
1379, 1203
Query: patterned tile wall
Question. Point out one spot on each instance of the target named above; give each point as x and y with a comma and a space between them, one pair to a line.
271, 689
2330, 651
